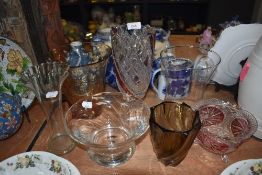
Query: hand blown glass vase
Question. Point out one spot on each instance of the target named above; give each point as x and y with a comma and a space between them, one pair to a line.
46, 80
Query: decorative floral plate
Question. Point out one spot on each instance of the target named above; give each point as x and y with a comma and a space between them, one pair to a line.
37, 162
250, 167
13, 62
244, 167
231, 170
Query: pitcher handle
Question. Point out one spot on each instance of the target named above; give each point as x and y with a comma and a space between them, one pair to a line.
161, 84
153, 78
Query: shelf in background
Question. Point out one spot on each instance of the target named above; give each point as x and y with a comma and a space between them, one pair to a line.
70, 2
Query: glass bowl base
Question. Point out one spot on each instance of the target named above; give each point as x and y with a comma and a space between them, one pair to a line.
113, 157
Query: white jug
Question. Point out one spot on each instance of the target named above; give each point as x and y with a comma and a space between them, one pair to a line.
250, 91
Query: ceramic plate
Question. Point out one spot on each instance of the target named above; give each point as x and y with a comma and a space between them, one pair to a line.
13, 62
37, 162
250, 167
234, 45
232, 169
244, 167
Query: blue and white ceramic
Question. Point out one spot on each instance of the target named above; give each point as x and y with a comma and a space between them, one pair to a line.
174, 79
155, 65
77, 55
110, 74
161, 34
10, 117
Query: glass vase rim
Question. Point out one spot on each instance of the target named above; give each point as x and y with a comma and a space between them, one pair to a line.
197, 117
196, 47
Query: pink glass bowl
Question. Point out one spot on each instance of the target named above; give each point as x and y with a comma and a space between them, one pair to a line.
224, 127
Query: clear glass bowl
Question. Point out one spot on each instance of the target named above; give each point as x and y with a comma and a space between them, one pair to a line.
107, 125
224, 126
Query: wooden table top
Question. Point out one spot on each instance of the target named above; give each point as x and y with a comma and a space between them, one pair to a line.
144, 161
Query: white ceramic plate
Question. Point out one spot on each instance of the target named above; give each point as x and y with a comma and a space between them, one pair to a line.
231, 170
234, 45
13, 62
37, 163
245, 169
241, 167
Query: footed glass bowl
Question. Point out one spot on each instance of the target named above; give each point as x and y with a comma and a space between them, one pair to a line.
107, 125
224, 127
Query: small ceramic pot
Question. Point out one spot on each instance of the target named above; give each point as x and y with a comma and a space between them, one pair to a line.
10, 115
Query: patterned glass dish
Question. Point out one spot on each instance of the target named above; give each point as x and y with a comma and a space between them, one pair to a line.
224, 127
37, 162
107, 125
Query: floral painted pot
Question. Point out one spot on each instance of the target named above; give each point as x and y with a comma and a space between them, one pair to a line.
10, 115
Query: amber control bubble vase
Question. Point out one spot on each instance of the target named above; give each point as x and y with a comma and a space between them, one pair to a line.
46, 80
173, 126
